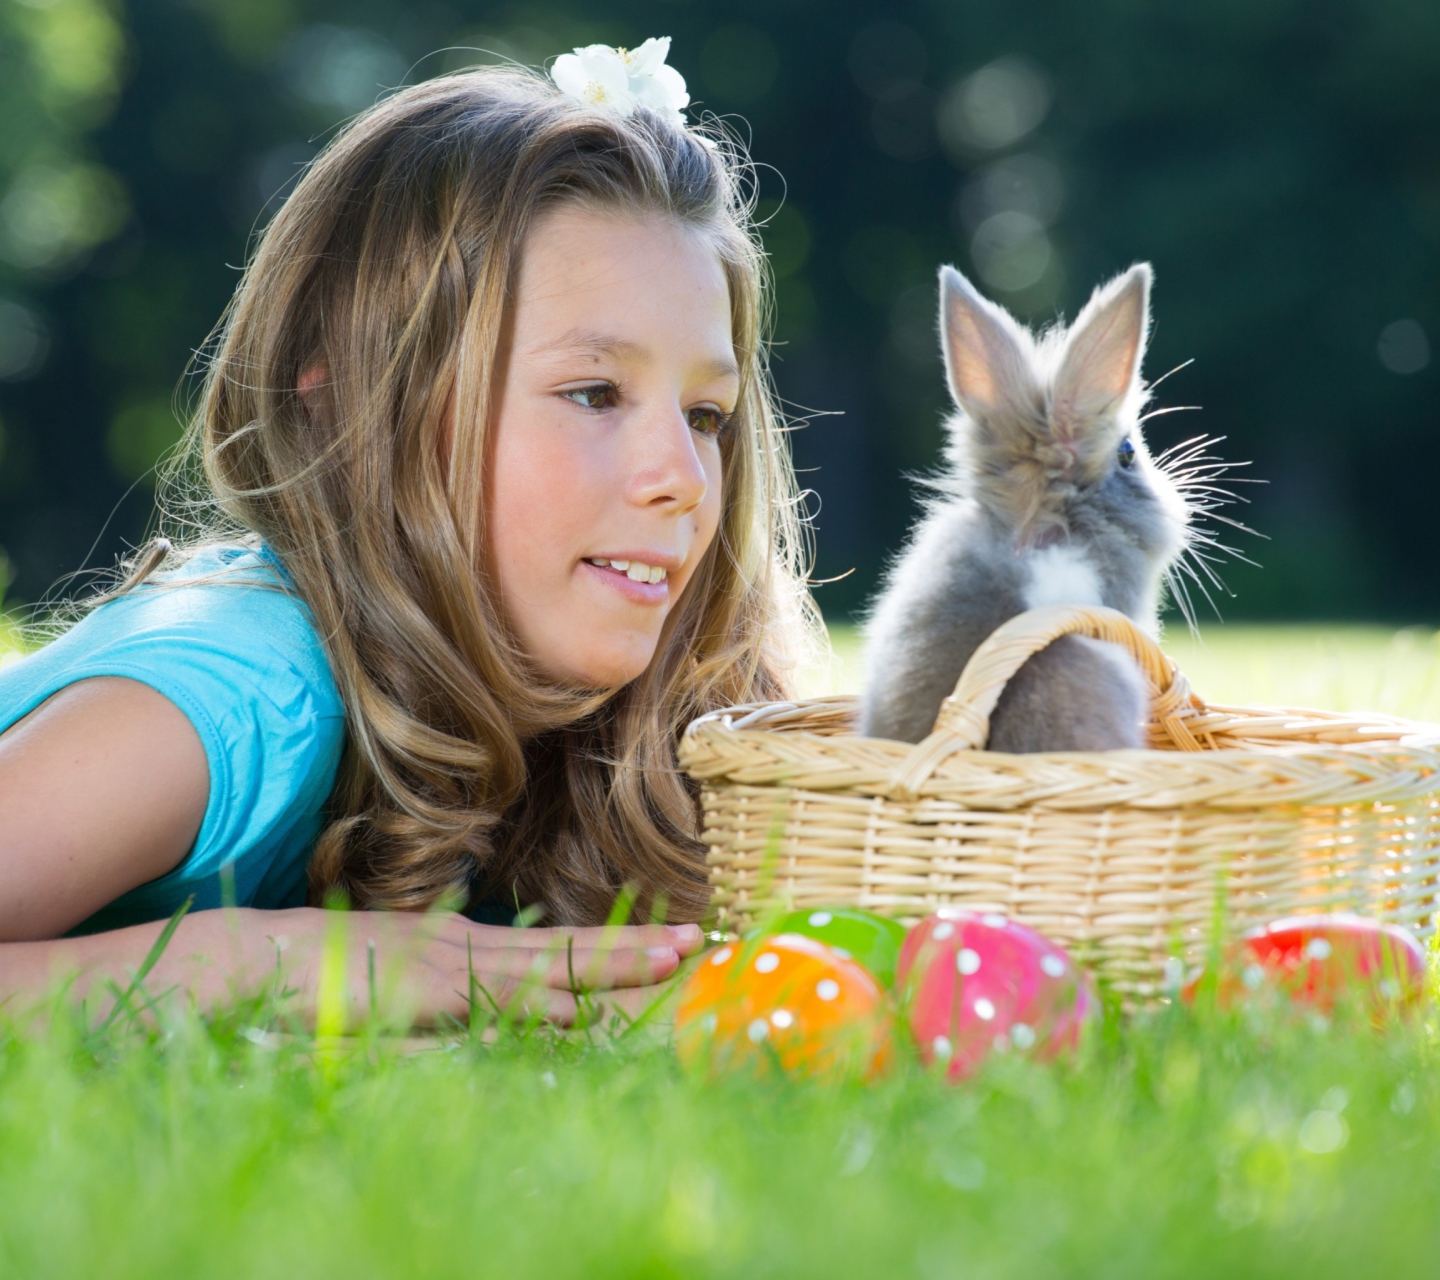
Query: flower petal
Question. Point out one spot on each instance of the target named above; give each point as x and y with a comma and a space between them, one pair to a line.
604, 66
662, 93
569, 75
650, 56
602, 51
674, 84
595, 75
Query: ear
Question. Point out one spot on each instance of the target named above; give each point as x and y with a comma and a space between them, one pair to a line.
1101, 364
310, 381
986, 352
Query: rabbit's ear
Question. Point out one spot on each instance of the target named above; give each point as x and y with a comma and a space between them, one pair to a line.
986, 353
1101, 365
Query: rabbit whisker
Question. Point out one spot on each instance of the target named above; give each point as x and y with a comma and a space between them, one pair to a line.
1194, 444
1194, 577
1207, 497
1235, 524
1213, 546
1175, 585
1174, 408
1194, 465
1202, 484
1184, 364
1206, 567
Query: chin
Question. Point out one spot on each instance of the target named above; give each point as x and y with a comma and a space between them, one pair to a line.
612, 670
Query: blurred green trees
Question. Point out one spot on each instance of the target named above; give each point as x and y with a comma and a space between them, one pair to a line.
1276, 159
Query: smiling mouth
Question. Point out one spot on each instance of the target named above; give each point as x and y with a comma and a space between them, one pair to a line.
632, 569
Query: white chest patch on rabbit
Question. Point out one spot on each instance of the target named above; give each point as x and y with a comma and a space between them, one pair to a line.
1061, 575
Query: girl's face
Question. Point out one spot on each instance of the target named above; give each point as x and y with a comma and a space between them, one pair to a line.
604, 488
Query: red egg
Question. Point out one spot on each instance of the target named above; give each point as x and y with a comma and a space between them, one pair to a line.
1317, 959
785, 1002
977, 984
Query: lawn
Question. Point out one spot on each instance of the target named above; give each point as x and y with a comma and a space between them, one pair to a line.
1181, 1143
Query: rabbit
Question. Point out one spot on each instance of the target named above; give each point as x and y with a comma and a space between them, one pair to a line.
1049, 497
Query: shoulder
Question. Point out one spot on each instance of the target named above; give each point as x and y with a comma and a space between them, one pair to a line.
227, 607
229, 643
225, 623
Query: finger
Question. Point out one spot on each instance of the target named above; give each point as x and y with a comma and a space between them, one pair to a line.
523, 999
564, 1009
604, 968
631, 1003
561, 968
685, 938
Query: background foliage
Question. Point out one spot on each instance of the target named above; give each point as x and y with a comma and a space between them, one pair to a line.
1276, 160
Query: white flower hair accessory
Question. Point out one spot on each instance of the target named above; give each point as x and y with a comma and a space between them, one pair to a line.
620, 80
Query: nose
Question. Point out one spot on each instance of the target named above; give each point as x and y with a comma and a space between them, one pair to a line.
666, 470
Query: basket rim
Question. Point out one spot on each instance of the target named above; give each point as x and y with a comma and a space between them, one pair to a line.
1394, 759
1381, 728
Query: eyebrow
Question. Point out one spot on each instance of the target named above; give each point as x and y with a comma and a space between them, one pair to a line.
588, 340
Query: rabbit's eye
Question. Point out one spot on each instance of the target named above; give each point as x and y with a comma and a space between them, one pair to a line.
1126, 454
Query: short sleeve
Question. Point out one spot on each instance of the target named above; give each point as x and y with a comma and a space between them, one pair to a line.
238, 655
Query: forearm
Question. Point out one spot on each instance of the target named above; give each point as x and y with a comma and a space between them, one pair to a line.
213, 959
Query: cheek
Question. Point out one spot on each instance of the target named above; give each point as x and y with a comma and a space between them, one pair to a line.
540, 496
707, 515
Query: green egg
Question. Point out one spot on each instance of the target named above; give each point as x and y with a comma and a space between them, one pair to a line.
872, 941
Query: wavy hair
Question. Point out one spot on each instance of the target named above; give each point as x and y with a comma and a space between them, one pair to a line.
466, 774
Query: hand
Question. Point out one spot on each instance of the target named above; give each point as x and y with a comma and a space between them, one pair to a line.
529, 972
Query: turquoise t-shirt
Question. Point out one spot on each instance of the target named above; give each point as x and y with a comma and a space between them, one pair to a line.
237, 653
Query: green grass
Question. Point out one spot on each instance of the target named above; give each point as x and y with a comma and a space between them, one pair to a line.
1176, 1147
1179, 1144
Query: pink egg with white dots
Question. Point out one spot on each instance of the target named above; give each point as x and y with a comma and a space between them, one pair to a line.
976, 984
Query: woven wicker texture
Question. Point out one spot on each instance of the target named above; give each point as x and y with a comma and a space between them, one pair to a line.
1123, 856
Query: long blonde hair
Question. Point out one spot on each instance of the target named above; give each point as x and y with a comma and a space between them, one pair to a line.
466, 775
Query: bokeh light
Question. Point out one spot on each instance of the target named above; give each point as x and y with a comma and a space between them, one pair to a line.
1403, 347
994, 107
23, 341
341, 69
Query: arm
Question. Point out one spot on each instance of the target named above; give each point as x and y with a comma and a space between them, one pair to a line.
423, 963
104, 787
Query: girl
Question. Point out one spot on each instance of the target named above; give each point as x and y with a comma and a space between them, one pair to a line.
498, 502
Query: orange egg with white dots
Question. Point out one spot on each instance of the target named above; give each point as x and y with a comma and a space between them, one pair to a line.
784, 1003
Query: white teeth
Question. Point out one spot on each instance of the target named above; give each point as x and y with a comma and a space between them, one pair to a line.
632, 569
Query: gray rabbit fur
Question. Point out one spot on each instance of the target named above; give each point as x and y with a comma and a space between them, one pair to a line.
1049, 497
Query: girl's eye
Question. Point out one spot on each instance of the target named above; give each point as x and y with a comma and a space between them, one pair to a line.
599, 396
708, 421
1126, 454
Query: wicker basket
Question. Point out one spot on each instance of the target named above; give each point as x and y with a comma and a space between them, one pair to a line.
1124, 856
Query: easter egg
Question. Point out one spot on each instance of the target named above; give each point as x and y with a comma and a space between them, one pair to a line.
978, 984
871, 940
1318, 960
783, 1002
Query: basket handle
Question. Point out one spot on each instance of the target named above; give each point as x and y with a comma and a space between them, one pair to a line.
964, 720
